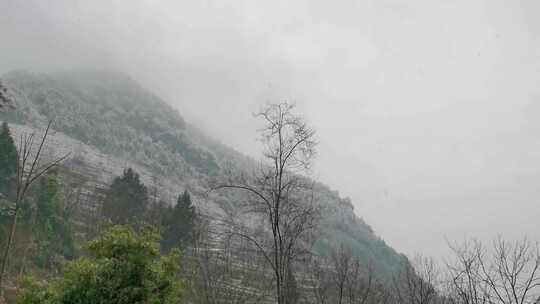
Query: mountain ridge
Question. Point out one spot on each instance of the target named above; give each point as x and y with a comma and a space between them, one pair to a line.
112, 113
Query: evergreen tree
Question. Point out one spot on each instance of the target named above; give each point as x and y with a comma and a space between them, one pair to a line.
8, 159
51, 226
178, 223
126, 199
157, 212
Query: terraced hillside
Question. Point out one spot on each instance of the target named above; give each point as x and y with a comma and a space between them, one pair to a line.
108, 122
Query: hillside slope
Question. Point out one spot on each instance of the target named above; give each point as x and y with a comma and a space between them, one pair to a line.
108, 121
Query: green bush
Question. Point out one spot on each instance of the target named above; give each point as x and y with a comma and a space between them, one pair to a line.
124, 267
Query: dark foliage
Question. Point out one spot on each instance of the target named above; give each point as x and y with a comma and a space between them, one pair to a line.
8, 158
178, 223
126, 199
51, 224
124, 268
5, 100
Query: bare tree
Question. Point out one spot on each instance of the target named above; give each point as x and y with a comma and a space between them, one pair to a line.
360, 283
465, 282
29, 169
506, 274
226, 271
342, 278
515, 264
380, 294
416, 282
320, 282
278, 192
342, 262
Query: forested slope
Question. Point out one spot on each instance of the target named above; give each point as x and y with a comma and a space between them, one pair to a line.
109, 121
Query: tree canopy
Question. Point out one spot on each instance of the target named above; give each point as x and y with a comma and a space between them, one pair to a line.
8, 158
124, 267
126, 199
51, 225
178, 222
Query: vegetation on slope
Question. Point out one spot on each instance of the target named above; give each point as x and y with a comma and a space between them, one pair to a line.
123, 267
113, 113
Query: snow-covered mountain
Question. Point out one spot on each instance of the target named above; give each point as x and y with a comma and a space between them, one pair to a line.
108, 122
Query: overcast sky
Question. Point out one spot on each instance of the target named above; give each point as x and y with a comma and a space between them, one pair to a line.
427, 112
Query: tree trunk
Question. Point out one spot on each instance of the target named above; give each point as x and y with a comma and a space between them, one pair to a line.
6, 252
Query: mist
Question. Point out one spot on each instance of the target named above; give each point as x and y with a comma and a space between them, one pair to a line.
426, 111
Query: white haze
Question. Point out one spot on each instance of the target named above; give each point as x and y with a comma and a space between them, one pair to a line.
427, 111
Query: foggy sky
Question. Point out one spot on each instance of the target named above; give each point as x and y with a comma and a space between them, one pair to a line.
426, 111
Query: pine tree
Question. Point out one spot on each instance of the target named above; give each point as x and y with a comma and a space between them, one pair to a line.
8, 158
126, 199
178, 223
